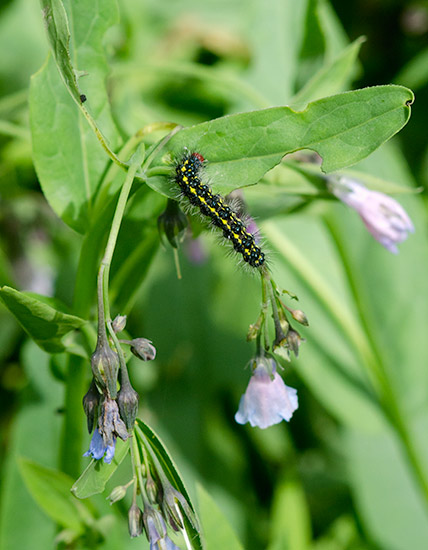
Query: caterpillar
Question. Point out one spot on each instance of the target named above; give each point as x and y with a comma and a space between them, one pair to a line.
215, 207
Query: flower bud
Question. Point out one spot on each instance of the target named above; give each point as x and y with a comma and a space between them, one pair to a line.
118, 493
143, 349
135, 521
154, 525
173, 223
127, 399
254, 330
105, 367
294, 339
152, 489
172, 502
119, 323
110, 423
299, 316
90, 405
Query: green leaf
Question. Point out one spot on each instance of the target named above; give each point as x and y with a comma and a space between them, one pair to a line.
51, 490
218, 532
56, 24
332, 78
45, 324
93, 480
290, 518
275, 60
343, 129
34, 433
68, 157
172, 473
387, 497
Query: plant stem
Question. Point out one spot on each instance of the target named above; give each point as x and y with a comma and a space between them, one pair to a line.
72, 434
114, 231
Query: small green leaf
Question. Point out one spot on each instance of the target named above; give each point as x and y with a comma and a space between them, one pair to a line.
343, 129
171, 471
290, 518
45, 324
217, 530
94, 478
51, 490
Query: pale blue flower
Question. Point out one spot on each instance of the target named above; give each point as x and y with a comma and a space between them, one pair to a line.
267, 400
383, 216
97, 448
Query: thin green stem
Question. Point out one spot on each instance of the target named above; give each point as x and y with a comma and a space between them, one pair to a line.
126, 152
104, 271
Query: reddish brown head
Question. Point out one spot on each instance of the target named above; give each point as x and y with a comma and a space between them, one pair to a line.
198, 156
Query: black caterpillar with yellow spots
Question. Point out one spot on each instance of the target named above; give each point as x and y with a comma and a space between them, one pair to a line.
200, 195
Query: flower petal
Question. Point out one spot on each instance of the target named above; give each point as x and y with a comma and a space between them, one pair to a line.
266, 402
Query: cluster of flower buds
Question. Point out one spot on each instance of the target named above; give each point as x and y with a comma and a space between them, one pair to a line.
162, 506
110, 411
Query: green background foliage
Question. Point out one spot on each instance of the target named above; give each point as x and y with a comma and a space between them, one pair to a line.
340, 474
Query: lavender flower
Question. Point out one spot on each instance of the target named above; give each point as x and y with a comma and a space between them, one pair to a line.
383, 216
110, 426
267, 400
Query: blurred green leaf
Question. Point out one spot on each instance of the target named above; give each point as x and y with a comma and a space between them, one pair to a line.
415, 72
343, 129
276, 33
386, 495
218, 532
290, 518
51, 489
332, 78
93, 480
68, 157
34, 433
45, 324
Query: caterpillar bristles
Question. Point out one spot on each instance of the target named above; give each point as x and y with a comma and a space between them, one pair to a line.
215, 207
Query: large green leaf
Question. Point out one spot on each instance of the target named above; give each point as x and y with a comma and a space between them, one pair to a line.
67, 155
172, 473
45, 324
51, 489
93, 480
34, 433
343, 129
217, 529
